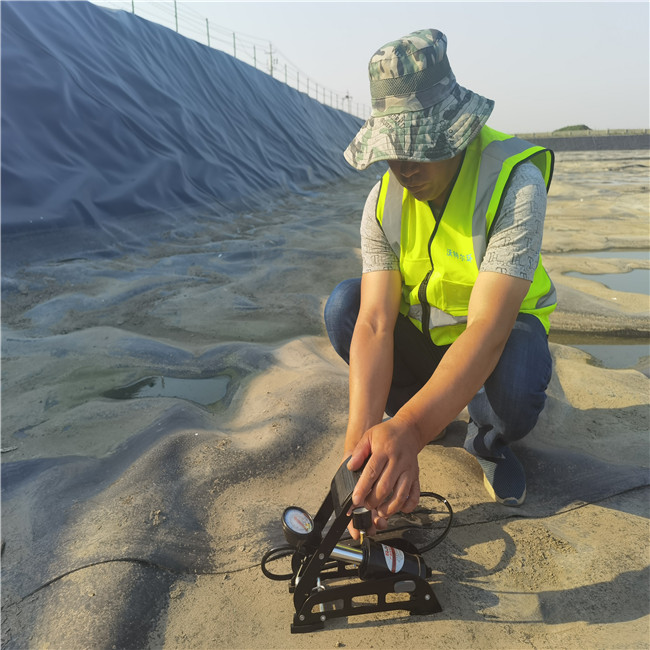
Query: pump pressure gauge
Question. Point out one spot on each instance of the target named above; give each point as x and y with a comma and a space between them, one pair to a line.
298, 526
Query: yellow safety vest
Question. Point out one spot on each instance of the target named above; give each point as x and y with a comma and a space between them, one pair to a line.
438, 275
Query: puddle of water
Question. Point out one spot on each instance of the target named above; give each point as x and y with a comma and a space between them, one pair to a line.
634, 281
616, 356
202, 391
609, 352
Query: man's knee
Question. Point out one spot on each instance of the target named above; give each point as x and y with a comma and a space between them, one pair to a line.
524, 369
521, 414
516, 390
344, 299
341, 312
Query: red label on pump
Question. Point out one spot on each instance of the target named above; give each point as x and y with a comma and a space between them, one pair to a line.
394, 558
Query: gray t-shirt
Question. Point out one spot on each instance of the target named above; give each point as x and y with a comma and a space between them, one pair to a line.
515, 241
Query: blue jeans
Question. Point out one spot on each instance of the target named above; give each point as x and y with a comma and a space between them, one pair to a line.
509, 403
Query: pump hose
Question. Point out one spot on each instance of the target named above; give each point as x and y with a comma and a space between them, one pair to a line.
279, 552
437, 540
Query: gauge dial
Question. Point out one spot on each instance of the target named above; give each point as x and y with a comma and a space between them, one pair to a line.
297, 524
298, 520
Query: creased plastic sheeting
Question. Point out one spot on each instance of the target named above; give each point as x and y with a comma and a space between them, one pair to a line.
108, 118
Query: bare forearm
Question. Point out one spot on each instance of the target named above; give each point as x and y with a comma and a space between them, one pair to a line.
389, 481
461, 373
371, 369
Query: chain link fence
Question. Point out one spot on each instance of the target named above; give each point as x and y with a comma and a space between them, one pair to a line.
255, 51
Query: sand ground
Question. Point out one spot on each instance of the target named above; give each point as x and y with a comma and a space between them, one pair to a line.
141, 522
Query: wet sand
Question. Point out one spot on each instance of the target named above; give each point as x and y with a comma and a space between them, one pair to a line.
141, 522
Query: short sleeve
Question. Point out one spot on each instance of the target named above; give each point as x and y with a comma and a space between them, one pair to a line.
516, 238
376, 253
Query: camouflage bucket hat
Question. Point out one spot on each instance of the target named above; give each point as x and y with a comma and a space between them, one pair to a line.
419, 112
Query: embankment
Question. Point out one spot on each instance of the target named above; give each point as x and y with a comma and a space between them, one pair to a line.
116, 130
594, 142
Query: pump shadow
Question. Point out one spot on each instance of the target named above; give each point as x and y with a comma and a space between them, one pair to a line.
465, 593
469, 584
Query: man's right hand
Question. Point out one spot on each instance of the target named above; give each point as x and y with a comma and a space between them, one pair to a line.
371, 362
379, 523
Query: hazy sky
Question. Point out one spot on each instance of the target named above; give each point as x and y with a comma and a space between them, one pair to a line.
546, 64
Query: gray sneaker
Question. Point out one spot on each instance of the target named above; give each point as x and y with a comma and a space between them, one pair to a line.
504, 478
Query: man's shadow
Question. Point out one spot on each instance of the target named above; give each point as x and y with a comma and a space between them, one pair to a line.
559, 480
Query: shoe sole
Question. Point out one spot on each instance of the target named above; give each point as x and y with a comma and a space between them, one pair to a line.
510, 501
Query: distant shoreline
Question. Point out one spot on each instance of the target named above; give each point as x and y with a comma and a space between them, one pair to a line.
590, 141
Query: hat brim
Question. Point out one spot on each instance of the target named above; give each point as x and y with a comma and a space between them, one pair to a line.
428, 135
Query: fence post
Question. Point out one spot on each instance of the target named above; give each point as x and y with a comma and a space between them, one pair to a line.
207, 30
285, 74
307, 86
297, 79
176, 15
132, 6
254, 56
234, 45
271, 57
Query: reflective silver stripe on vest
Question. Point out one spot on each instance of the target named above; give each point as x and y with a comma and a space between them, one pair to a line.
491, 163
495, 154
548, 299
392, 219
437, 317
492, 159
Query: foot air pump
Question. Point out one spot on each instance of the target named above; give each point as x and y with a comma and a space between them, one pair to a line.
392, 573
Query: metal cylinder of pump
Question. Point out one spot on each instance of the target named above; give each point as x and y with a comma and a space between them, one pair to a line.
347, 554
377, 560
382, 561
